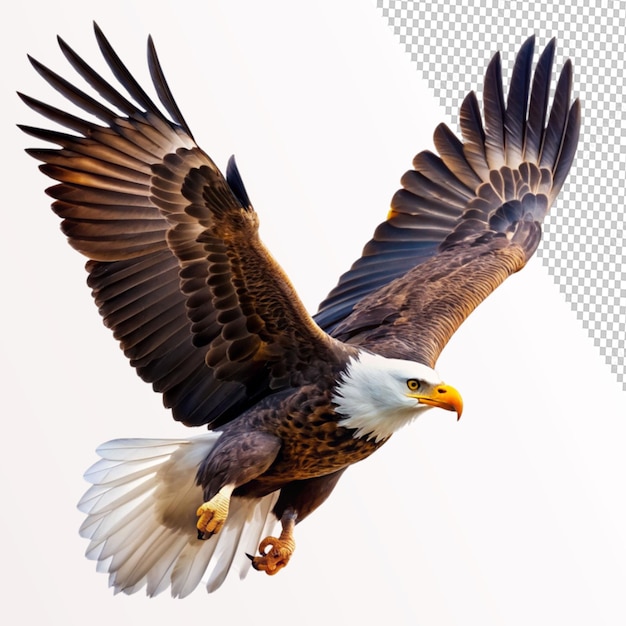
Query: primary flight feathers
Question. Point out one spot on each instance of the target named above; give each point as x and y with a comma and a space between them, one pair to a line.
206, 315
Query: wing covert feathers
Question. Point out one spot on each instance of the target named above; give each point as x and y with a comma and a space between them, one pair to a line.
175, 263
465, 218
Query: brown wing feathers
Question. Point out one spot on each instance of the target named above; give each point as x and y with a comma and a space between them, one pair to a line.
150, 210
464, 219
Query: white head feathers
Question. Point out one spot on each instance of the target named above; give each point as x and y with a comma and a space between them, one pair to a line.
373, 395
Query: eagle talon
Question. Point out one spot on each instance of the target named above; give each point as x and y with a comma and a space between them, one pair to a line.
212, 514
274, 554
205, 536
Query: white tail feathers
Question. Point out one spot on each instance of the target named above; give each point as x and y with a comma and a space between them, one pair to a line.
141, 518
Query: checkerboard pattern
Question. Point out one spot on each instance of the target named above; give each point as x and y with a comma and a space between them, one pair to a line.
584, 244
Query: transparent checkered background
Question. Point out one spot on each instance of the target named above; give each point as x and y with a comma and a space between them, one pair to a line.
584, 238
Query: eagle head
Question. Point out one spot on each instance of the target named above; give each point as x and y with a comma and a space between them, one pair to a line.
376, 395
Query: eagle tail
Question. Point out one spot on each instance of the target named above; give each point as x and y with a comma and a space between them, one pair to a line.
141, 518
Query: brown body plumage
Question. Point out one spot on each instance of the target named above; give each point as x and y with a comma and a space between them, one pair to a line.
206, 315
301, 431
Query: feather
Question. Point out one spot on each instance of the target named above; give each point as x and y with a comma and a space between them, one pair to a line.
163, 90
473, 135
140, 517
516, 104
494, 111
555, 130
538, 104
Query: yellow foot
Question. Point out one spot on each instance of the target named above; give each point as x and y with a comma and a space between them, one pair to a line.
213, 514
275, 554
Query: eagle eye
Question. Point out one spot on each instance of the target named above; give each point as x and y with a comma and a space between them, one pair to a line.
413, 384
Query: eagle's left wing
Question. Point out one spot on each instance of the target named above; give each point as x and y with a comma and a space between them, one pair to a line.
463, 221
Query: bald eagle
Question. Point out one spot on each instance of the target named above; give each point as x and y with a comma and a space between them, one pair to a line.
206, 316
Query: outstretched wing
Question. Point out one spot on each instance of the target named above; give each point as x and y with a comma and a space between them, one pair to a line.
175, 262
464, 220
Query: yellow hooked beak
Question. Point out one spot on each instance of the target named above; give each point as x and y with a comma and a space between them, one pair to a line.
442, 396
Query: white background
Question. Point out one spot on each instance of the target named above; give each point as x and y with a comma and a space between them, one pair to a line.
515, 515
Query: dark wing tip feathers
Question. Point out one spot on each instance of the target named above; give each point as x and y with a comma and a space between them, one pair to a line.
494, 111
121, 73
162, 88
94, 80
106, 90
517, 100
